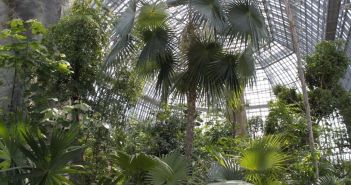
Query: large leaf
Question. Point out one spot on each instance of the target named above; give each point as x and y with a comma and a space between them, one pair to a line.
172, 172
134, 167
246, 22
167, 66
50, 160
246, 67
224, 70
209, 12
156, 43
210, 70
124, 43
264, 159
126, 21
199, 55
152, 16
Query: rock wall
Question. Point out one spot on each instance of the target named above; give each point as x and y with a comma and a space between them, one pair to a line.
46, 11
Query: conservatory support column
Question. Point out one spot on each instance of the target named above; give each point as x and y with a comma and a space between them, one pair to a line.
301, 73
332, 19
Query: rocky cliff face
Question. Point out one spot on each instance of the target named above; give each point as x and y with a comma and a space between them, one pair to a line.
46, 11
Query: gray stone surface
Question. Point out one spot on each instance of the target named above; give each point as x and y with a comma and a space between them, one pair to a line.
46, 11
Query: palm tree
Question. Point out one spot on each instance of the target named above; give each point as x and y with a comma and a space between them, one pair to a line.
28, 155
200, 65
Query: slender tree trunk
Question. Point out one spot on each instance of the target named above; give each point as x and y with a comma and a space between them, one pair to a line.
240, 117
191, 115
303, 85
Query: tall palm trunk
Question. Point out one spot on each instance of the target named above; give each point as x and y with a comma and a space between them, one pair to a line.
236, 116
191, 115
303, 85
240, 118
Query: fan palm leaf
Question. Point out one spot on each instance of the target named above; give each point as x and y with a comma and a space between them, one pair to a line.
156, 57
173, 173
246, 67
209, 12
224, 70
168, 65
134, 167
156, 43
212, 70
246, 22
264, 160
50, 161
225, 169
152, 16
200, 54
124, 43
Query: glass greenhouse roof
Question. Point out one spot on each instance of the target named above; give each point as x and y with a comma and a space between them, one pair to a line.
276, 62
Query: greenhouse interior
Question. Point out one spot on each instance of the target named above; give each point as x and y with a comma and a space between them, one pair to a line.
175, 92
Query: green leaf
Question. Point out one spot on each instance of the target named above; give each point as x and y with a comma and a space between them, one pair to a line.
37, 27
82, 106
246, 22
152, 16
5, 33
19, 36
172, 169
15, 23
210, 12
124, 46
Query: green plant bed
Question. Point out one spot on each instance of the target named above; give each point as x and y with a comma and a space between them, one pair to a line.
231, 183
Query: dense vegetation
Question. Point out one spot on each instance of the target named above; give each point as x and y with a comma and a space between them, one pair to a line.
68, 120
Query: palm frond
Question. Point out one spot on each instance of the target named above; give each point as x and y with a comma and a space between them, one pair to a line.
152, 16
246, 22
329, 180
246, 67
264, 159
167, 66
225, 169
50, 160
200, 54
209, 12
224, 70
123, 45
134, 167
157, 42
173, 171
126, 21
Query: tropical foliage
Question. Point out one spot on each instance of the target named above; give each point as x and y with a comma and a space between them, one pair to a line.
75, 112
